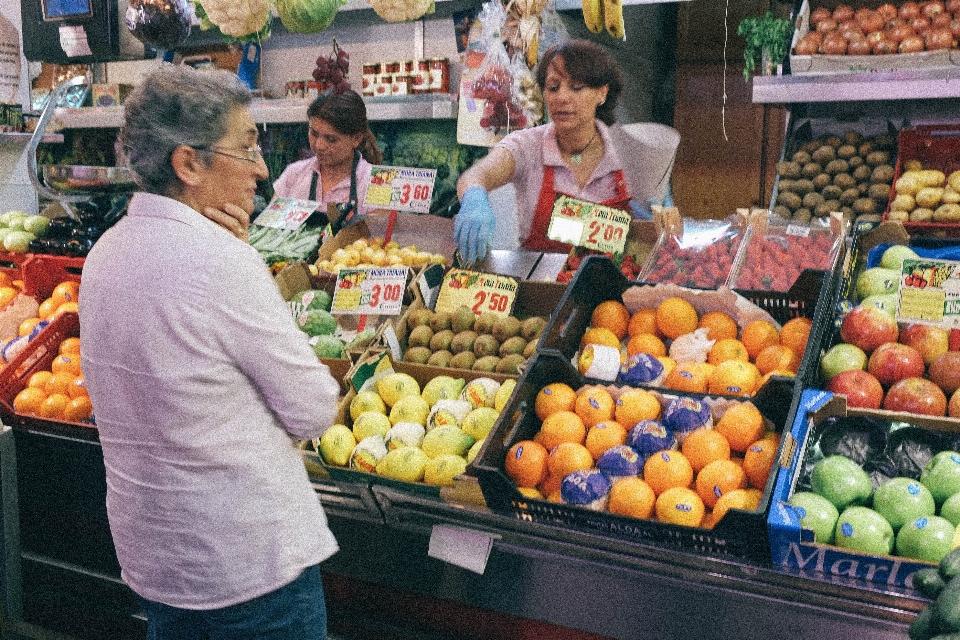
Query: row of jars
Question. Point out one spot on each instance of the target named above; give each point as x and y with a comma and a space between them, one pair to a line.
406, 77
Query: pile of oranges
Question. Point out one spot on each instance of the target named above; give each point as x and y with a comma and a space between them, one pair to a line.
738, 363
62, 299
716, 468
58, 393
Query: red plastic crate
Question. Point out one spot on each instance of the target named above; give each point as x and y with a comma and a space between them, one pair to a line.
42, 272
12, 264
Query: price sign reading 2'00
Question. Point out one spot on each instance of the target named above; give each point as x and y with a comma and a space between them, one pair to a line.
498, 302
601, 231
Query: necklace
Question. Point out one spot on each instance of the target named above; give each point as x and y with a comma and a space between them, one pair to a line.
577, 156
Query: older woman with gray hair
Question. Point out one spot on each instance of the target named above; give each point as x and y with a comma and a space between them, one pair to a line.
201, 382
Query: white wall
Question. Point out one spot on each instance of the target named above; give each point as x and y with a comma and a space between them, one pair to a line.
16, 191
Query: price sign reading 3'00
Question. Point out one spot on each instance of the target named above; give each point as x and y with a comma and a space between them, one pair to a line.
377, 291
400, 188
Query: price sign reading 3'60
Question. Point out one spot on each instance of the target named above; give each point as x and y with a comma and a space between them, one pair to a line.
377, 291
401, 188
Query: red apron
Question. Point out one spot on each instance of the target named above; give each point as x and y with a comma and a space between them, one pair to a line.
537, 238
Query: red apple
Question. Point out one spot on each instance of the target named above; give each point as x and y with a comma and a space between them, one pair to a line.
953, 409
954, 339
931, 341
916, 395
945, 371
868, 328
861, 388
892, 361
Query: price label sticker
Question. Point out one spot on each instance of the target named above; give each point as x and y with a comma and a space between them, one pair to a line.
286, 213
400, 188
588, 225
798, 230
482, 292
376, 291
929, 292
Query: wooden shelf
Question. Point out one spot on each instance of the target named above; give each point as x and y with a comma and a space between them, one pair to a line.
24, 138
912, 84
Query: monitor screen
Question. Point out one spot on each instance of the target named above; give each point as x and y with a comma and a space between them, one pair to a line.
67, 9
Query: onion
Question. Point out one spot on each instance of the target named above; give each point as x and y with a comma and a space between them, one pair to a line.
910, 10
931, 8
898, 33
819, 14
955, 28
827, 24
939, 39
920, 25
887, 11
859, 47
911, 44
807, 47
862, 13
852, 32
952, 6
884, 46
843, 12
874, 37
872, 22
941, 20
834, 45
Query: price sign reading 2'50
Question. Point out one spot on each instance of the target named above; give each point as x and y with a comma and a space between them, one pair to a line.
486, 301
481, 292
400, 188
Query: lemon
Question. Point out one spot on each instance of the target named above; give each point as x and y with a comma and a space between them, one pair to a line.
405, 464
336, 444
405, 434
503, 393
442, 388
480, 392
371, 423
394, 386
366, 401
446, 439
443, 469
448, 412
474, 450
478, 422
410, 409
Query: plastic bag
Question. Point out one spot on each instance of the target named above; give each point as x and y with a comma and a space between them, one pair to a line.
695, 253
502, 113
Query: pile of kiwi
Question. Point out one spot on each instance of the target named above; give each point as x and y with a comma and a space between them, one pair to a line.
851, 173
463, 340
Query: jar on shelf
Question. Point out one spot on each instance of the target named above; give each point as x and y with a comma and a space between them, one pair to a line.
392, 67
421, 77
295, 88
370, 72
401, 85
408, 67
383, 86
439, 75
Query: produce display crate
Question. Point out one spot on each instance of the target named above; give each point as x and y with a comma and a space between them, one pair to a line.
936, 147
739, 534
794, 547
42, 272
12, 264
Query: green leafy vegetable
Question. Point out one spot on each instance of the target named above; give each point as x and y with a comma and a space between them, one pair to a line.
768, 32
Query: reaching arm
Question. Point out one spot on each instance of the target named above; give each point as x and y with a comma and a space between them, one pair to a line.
490, 172
475, 223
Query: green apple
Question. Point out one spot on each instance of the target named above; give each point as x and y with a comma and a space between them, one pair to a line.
901, 500
336, 444
842, 357
951, 509
446, 439
894, 255
863, 529
926, 538
841, 481
877, 280
886, 302
817, 513
942, 475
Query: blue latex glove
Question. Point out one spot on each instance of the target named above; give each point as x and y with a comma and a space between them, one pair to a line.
474, 225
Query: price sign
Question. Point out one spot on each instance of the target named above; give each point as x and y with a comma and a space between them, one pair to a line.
400, 188
588, 225
482, 292
376, 291
929, 292
286, 213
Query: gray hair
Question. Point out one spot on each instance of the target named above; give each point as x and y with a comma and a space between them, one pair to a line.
175, 105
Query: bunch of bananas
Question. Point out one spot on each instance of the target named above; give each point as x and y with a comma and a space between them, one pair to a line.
600, 14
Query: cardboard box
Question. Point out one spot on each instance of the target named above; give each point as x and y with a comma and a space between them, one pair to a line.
794, 547
110, 95
831, 64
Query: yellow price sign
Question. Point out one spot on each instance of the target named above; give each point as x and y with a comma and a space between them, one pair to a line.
482, 292
929, 292
585, 224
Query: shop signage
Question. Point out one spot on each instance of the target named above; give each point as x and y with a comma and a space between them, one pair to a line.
929, 292
588, 225
400, 188
482, 292
286, 213
373, 291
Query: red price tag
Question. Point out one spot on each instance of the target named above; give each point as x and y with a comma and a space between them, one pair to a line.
588, 225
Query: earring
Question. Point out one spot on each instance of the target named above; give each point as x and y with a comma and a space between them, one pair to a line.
602, 102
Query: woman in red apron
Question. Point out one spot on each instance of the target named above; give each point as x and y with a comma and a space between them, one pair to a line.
573, 154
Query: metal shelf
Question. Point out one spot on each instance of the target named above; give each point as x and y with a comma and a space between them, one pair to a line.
23, 138
912, 84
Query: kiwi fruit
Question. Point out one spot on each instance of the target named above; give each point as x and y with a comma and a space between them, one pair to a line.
463, 341
511, 364
419, 317
882, 174
801, 215
826, 208
821, 180
506, 327
786, 184
865, 148
879, 192
531, 348
440, 358
487, 364
812, 199
803, 186
532, 327
811, 146
833, 141
845, 180
864, 205
855, 161
877, 158
862, 173
782, 211
440, 321
824, 154
788, 169
514, 345
836, 166
420, 336
462, 319
789, 200
485, 345
846, 151
852, 137
811, 169
848, 196
463, 360
419, 355
484, 322
441, 340
801, 157
831, 192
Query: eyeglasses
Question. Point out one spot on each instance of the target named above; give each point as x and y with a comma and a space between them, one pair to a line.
250, 154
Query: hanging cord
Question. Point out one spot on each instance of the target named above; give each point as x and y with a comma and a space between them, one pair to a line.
723, 105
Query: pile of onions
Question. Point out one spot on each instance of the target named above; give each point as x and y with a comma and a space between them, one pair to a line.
914, 26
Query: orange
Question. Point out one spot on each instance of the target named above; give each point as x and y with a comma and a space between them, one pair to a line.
600, 335
777, 356
719, 325
526, 463
758, 461
53, 406
554, 397
704, 445
69, 362
635, 405
794, 334
567, 458
612, 315
70, 345
59, 382
646, 343
66, 291
550, 485
562, 426
680, 505
5, 279
746, 499
7, 295
631, 497
78, 410
66, 307
668, 364
594, 404
776, 372
39, 379
47, 307
77, 388
675, 317
603, 436
530, 492
666, 469
26, 327
741, 425
28, 401
644, 321
734, 378
758, 335
688, 376
727, 349
717, 478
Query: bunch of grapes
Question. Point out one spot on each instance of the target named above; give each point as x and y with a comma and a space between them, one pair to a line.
332, 71
501, 112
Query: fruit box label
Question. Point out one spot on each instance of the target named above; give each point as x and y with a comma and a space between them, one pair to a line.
482, 292
400, 188
588, 225
377, 291
929, 292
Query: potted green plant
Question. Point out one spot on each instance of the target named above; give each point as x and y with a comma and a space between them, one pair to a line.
767, 37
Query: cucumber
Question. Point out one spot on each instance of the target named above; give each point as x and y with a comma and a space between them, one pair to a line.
922, 626
946, 608
928, 582
950, 565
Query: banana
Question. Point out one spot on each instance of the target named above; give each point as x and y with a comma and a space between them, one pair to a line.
613, 18
593, 15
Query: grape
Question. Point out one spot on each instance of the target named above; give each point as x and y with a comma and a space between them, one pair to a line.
321, 62
341, 86
343, 61
317, 75
335, 75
